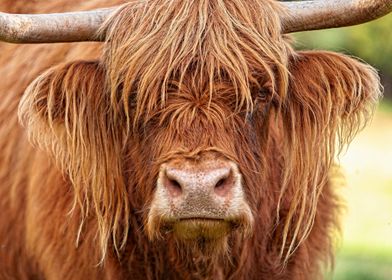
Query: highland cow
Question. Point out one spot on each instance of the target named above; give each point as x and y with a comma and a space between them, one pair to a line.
193, 143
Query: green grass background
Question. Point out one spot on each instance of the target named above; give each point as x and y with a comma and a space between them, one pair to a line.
366, 247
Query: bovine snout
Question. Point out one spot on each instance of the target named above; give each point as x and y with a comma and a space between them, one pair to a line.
201, 197
200, 182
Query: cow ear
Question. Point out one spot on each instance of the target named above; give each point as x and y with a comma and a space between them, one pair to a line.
332, 93
68, 113
61, 106
330, 98
52, 96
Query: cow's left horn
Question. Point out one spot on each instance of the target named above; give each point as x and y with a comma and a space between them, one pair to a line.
322, 14
53, 28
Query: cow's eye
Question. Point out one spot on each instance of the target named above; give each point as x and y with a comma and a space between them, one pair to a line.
264, 94
132, 101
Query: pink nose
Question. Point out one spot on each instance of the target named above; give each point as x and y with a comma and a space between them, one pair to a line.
199, 180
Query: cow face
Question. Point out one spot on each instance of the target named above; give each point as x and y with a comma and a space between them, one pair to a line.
201, 158
195, 98
195, 149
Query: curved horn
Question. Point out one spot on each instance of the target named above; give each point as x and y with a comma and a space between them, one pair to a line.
52, 28
322, 14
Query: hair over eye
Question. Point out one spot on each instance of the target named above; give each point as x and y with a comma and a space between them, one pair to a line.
264, 94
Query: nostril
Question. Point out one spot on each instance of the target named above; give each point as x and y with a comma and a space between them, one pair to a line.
173, 186
220, 184
223, 186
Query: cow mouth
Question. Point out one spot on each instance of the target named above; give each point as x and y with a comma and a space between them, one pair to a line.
201, 219
201, 228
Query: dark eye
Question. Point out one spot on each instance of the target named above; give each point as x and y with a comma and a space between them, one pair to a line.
132, 100
264, 94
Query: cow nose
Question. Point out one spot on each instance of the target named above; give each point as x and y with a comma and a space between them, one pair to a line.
217, 181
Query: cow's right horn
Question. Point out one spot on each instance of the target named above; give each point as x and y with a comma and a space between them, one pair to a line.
53, 28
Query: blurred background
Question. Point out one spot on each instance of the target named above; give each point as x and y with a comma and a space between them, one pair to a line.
365, 251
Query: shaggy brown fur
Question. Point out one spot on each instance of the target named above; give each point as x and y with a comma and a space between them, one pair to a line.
175, 78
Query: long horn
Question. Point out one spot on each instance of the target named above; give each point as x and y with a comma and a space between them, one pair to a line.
53, 28
322, 14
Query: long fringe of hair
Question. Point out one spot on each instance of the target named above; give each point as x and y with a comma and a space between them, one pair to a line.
67, 113
330, 99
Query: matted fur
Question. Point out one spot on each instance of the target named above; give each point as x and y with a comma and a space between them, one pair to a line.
176, 78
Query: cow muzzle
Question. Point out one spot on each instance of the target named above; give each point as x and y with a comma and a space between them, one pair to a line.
201, 198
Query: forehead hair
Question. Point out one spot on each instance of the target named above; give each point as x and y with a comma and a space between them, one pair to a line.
197, 45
